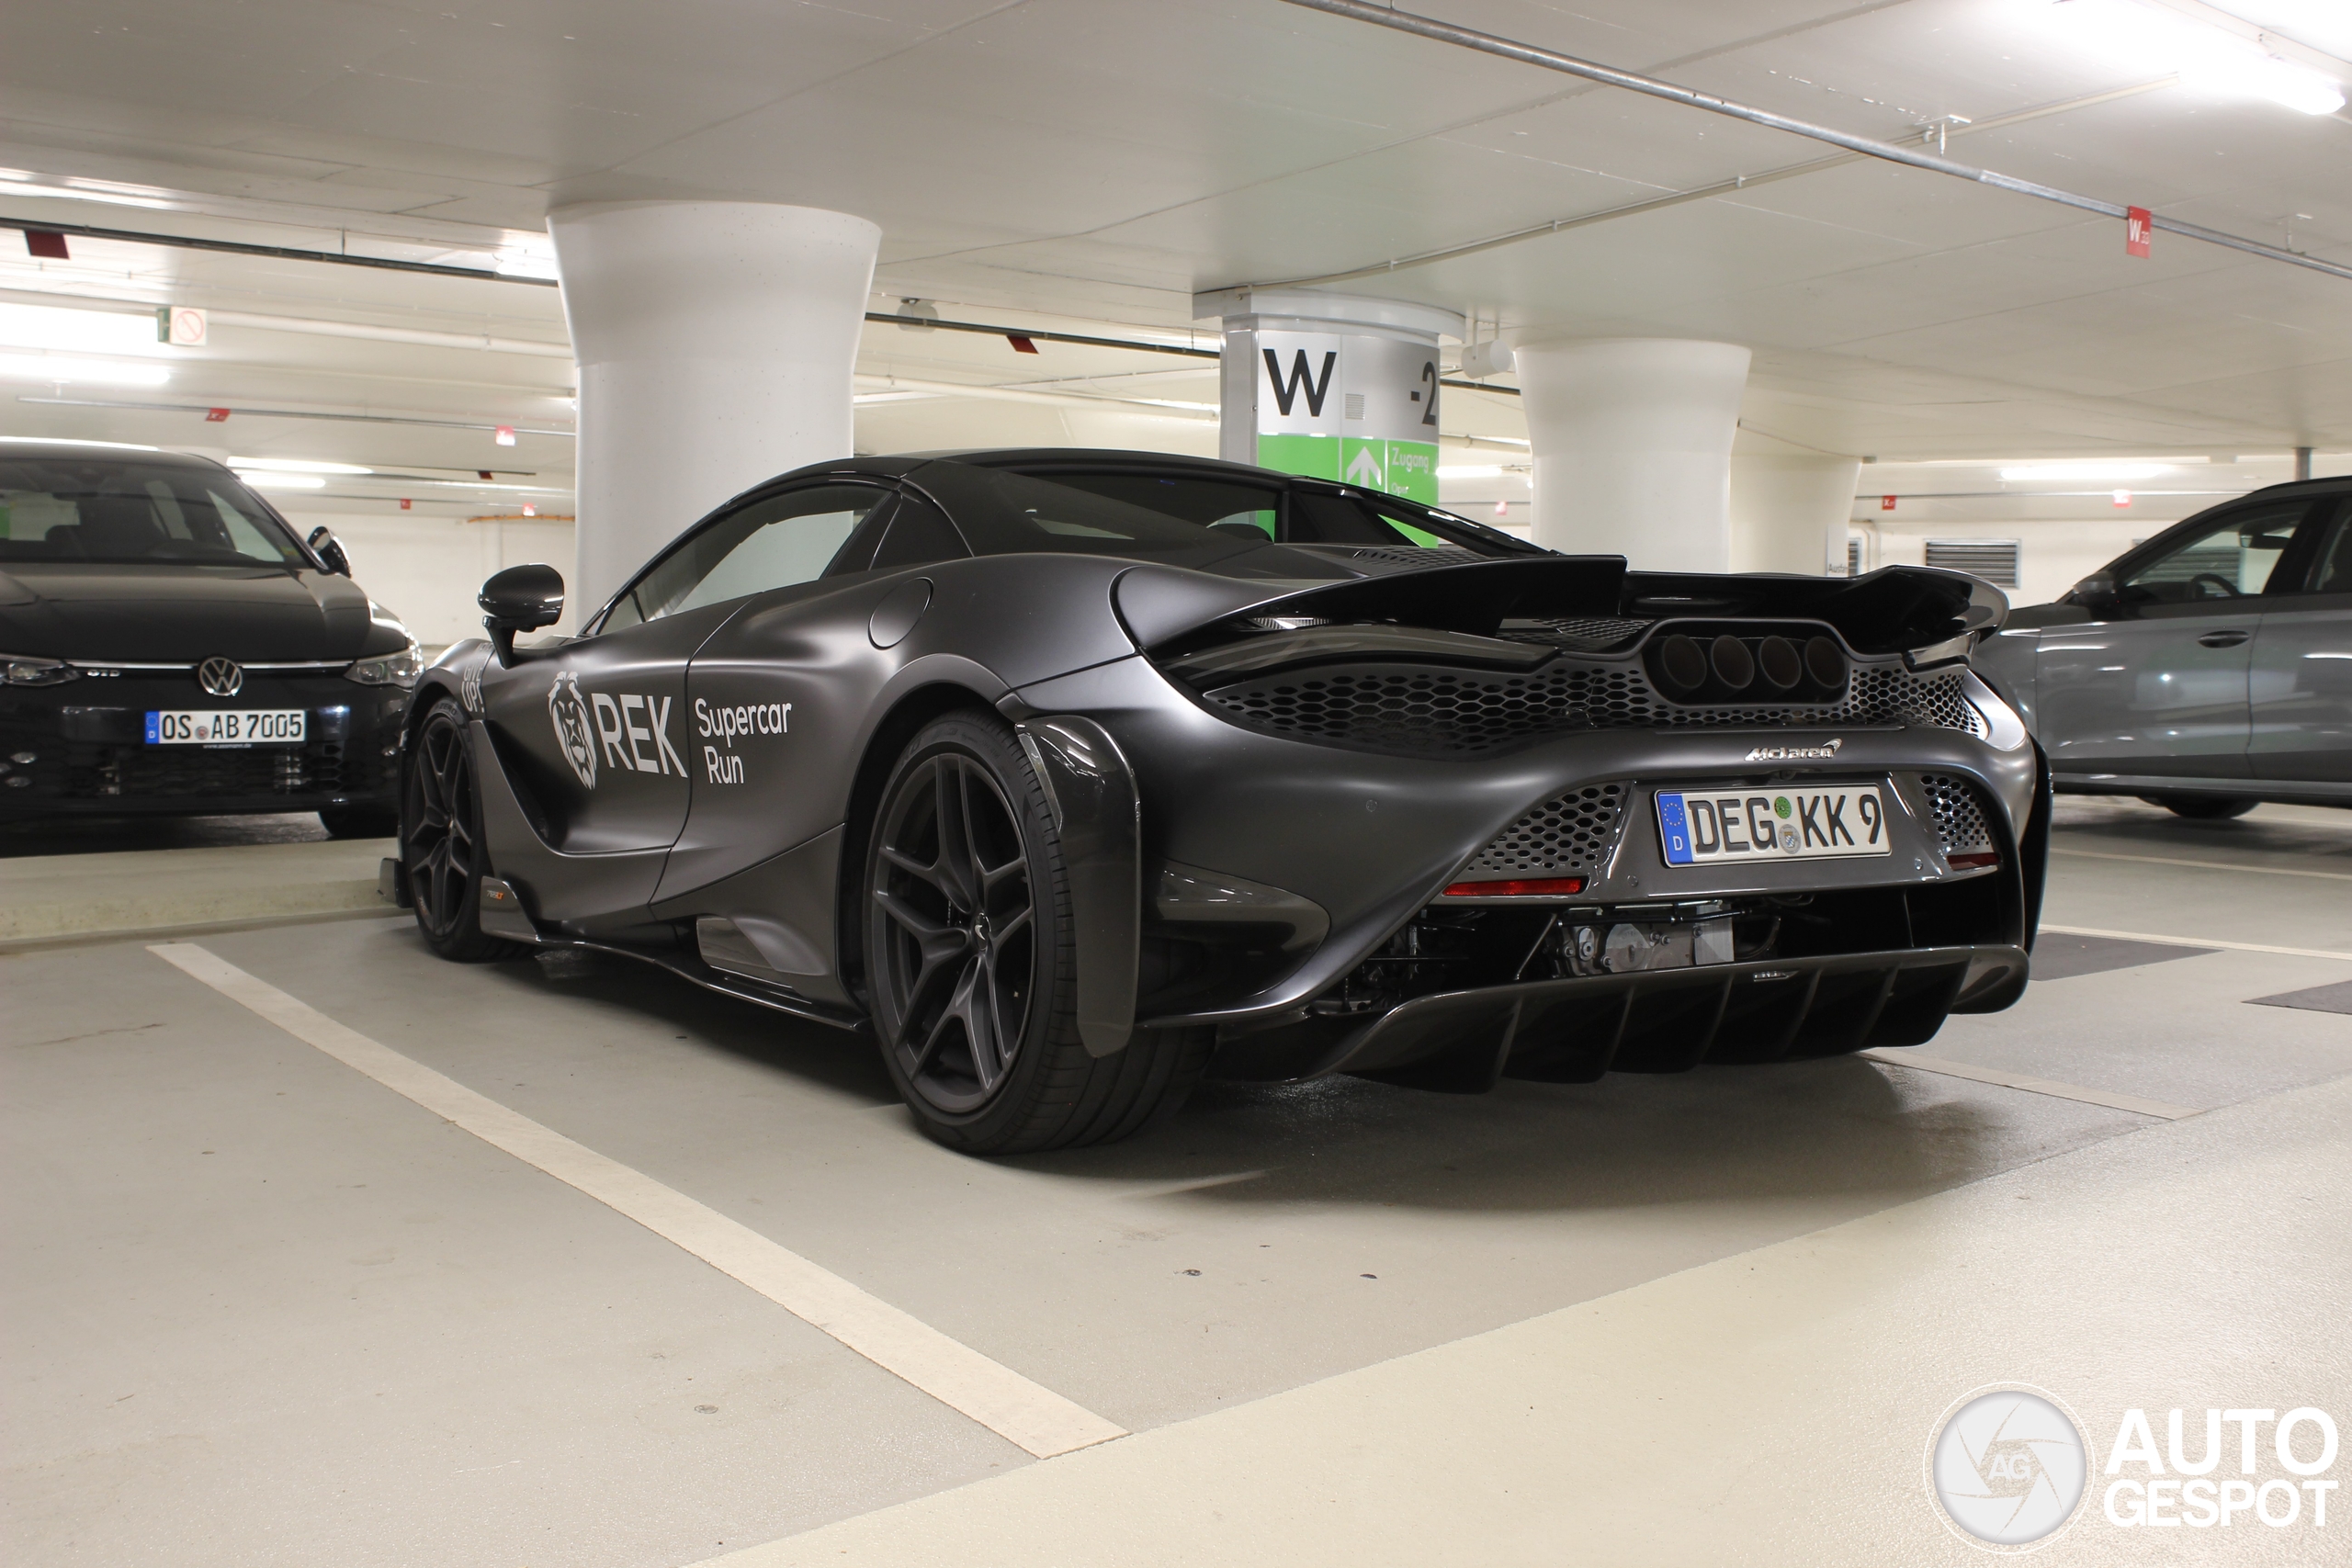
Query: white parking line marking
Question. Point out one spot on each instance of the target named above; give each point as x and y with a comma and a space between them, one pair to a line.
1950, 1069
2202, 864
956, 1375
2200, 942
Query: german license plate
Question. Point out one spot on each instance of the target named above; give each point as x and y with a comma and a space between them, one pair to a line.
229, 727
1820, 822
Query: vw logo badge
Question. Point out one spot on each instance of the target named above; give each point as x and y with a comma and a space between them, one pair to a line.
220, 677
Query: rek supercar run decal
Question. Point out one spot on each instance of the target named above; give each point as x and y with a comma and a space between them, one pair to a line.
724, 724
626, 730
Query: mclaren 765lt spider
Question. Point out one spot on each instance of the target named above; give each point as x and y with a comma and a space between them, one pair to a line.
1069, 777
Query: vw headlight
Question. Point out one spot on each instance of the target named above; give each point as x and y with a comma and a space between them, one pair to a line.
399, 668
28, 669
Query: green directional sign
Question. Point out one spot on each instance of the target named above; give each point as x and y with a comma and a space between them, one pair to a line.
1401, 468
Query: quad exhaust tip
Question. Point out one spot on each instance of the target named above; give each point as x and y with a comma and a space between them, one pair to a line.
1734, 667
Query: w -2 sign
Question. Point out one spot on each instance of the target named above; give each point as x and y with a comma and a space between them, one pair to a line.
1352, 407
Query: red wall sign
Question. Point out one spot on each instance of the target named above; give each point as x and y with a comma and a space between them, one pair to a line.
2138, 224
1886, 503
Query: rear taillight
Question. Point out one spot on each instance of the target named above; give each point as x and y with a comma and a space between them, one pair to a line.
1545, 887
1972, 860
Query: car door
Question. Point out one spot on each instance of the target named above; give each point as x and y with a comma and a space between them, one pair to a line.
2301, 681
2156, 684
778, 698
596, 730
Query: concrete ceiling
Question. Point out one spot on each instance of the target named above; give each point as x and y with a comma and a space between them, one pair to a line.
1099, 161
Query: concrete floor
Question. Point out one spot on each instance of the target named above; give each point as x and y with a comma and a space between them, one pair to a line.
263, 1310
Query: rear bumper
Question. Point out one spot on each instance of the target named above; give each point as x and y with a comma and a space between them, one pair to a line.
1671, 1021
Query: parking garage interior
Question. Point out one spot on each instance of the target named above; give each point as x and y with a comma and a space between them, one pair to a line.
324, 1250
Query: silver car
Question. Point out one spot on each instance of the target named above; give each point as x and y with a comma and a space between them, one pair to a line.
2206, 671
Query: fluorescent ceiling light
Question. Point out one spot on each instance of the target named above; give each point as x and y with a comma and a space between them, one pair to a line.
2144, 39
2087, 473
95, 372
295, 465
76, 441
80, 332
524, 263
74, 189
284, 481
1468, 472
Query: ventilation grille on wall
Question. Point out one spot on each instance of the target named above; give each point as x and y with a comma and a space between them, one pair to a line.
1994, 561
1853, 554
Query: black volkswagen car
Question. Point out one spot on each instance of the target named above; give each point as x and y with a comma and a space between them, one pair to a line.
170, 646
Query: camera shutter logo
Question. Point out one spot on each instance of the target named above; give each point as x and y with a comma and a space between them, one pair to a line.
2008, 1467
575, 732
220, 677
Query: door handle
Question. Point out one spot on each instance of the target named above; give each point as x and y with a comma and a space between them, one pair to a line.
2223, 639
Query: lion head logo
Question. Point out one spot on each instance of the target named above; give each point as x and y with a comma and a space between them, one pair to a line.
575, 733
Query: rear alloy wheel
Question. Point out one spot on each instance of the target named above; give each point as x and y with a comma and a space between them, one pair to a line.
971, 960
442, 852
2202, 808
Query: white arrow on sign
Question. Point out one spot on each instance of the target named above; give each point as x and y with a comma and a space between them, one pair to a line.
1365, 470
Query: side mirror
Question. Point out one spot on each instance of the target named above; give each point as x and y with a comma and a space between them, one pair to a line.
520, 599
329, 551
2094, 592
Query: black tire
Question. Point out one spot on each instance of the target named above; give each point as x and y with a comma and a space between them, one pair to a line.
971, 960
361, 821
2202, 808
442, 852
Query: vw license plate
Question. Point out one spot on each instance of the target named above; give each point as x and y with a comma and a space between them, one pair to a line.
229, 727
1822, 822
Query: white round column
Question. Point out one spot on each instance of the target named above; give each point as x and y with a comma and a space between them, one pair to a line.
717, 343
1632, 441
1788, 513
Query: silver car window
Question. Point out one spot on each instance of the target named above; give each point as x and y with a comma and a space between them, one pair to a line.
2332, 572
2232, 558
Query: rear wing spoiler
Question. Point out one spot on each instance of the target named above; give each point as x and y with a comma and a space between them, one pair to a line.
1892, 610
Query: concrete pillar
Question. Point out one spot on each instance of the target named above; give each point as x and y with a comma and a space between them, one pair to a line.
1631, 439
717, 340
1335, 385
1789, 513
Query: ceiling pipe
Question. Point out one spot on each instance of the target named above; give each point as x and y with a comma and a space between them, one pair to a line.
228, 410
1889, 151
1940, 133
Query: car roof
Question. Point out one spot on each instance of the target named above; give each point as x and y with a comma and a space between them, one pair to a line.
1102, 458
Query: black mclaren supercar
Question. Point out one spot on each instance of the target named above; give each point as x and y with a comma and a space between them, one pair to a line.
1071, 776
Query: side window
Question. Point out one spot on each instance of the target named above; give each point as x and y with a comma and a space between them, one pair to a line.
2332, 566
774, 542
919, 534
2231, 558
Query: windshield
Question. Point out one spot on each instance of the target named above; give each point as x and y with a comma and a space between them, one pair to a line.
111, 510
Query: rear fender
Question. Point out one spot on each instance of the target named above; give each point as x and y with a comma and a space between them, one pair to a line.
1092, 793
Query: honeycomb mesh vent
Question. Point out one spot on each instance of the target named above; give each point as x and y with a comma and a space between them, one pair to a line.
1591, 633
1419, 555
1569, 832
1959, 820
1429, 710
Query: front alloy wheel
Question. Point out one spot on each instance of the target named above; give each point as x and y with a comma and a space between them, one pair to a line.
441, 845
